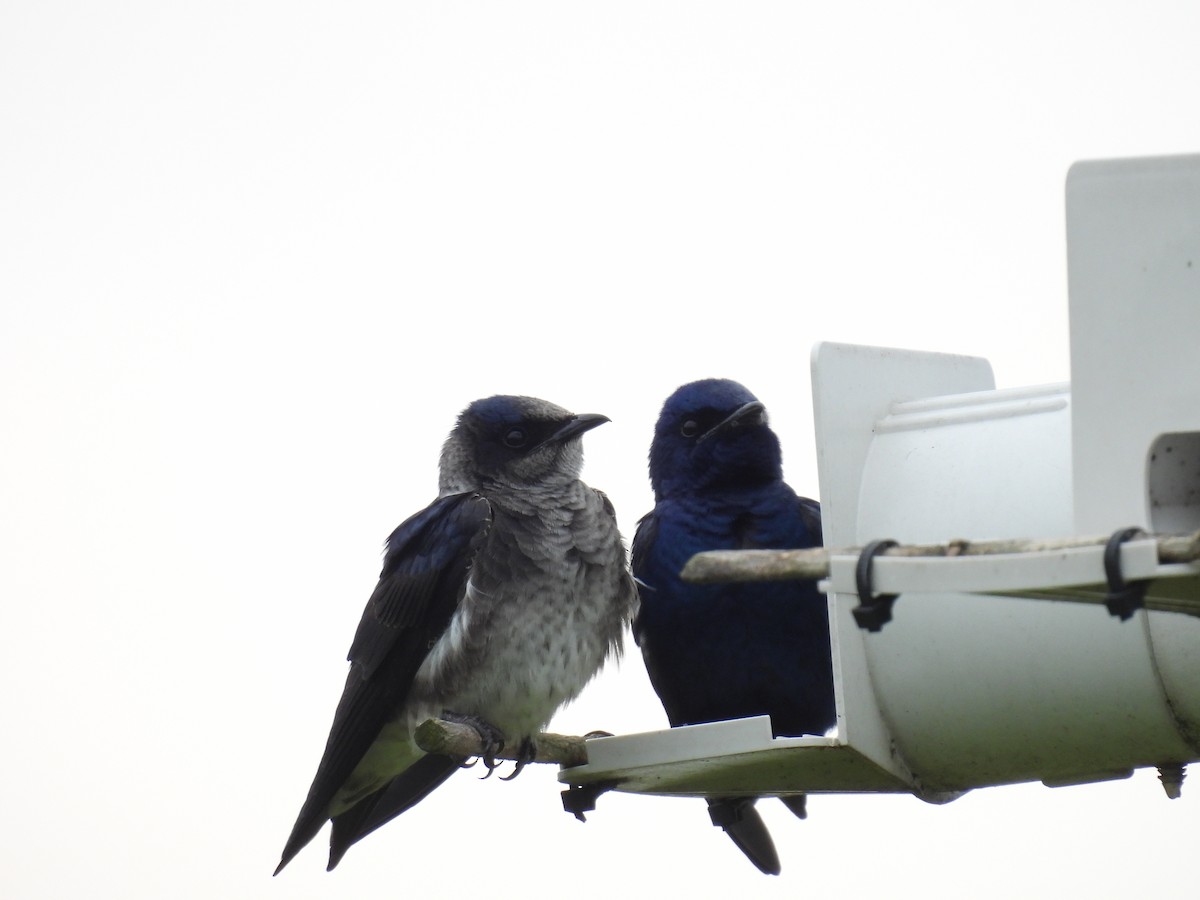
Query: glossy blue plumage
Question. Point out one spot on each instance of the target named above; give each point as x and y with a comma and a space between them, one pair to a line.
726, 651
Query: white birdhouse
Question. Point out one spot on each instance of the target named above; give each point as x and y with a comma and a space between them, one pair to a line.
1008, 667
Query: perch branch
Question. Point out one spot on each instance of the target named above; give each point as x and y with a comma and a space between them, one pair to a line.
716, 566
454, 739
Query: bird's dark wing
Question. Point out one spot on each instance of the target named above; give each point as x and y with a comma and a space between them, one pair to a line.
424, 573
422, 582
810, 512
663, 624
403, 792
643, 544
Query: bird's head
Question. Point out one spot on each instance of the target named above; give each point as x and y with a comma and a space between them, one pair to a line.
513, 441
712, 434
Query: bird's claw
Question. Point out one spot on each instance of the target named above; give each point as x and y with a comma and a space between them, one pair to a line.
489, 761
526, 753
491, 737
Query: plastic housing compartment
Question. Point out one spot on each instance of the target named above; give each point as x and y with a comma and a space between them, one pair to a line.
967, 687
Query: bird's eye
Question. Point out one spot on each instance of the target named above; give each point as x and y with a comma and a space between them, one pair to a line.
515, 438
690, 428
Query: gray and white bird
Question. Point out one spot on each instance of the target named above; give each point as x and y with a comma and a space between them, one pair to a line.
497, 603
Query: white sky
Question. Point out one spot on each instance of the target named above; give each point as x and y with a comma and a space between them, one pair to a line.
257, 256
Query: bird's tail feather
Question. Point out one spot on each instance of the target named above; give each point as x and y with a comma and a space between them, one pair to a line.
746, 828
403, 792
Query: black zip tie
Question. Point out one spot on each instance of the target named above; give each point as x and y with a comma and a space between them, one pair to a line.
873, 611
1123, 597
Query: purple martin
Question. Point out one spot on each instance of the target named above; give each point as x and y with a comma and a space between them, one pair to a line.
497, 603
726, 651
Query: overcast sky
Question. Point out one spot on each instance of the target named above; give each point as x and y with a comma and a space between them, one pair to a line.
255, 258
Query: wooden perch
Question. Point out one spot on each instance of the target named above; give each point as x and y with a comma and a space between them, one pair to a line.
454, 739
716, 566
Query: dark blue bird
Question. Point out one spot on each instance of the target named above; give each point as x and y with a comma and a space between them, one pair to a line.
496, 605
726, 651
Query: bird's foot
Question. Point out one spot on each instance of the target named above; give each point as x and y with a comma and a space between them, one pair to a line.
526, 753
491, 737
798, 804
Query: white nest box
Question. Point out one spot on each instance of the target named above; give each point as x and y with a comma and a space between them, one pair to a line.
990, 670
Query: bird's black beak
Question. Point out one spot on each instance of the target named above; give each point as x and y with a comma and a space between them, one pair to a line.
576, 426
752, 413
